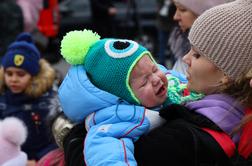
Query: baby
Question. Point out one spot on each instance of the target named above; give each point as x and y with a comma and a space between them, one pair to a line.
128, 78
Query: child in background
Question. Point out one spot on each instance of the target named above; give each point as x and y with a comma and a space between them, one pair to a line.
26, 90
129, 73
13, 134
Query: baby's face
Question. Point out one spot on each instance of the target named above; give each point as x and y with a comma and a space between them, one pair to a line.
148, 83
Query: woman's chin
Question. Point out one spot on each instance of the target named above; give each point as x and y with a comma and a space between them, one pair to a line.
189, 86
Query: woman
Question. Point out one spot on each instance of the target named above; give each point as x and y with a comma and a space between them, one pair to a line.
191, 137
187, 12
202, 132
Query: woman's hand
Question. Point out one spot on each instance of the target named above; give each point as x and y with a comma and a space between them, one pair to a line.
31, 163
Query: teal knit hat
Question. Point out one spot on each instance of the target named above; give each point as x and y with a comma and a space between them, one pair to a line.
108, 62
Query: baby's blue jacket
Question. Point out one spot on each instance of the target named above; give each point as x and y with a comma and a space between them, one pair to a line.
113, 124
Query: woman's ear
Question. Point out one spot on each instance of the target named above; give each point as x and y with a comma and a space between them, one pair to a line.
225, 79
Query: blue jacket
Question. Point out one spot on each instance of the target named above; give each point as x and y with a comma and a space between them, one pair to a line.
33, 112
112, 124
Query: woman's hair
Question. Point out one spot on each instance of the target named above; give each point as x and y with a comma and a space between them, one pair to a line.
240, 89
39, 84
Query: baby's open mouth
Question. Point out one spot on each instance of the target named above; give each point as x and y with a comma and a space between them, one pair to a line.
161, 91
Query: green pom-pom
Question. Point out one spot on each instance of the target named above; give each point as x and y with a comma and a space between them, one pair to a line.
75, 45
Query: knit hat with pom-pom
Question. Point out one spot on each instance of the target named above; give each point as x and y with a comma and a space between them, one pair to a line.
13, 134
23, 53
108, 62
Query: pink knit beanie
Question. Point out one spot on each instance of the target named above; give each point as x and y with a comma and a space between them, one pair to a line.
13, 134
199, 6
223, 34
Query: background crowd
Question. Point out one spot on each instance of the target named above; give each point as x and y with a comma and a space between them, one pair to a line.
208, 42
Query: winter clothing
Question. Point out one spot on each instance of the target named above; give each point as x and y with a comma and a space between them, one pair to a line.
33, 112
178, 41
199, 6
165, 14
179, 45
107, 118
177, 92
31, 10
226, 119
11, 25
103, 58
13, 134
53, 158
165, 24
244, 149
104, 109
229, 35
73, 145
183, 137
22, 54
32, 107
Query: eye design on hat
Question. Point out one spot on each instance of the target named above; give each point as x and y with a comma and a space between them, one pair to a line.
120, 48
18, 59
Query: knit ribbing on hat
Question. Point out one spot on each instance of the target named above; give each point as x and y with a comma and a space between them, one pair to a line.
23, 54
110, 73
199, 6
224, 35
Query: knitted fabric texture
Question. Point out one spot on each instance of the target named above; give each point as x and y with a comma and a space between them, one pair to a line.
223, 34
22, 54
178, 92
108, 62
109, 66
199, 6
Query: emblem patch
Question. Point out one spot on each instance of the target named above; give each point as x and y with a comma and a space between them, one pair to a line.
18, 60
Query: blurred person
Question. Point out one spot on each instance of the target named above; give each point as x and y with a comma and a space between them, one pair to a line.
18, 16
27, 90
31, 10
13, 134
165, 23
11, 23
103, 13
53, 158
186, 13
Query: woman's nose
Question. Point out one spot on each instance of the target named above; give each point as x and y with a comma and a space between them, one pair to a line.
176, 16
187, 59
